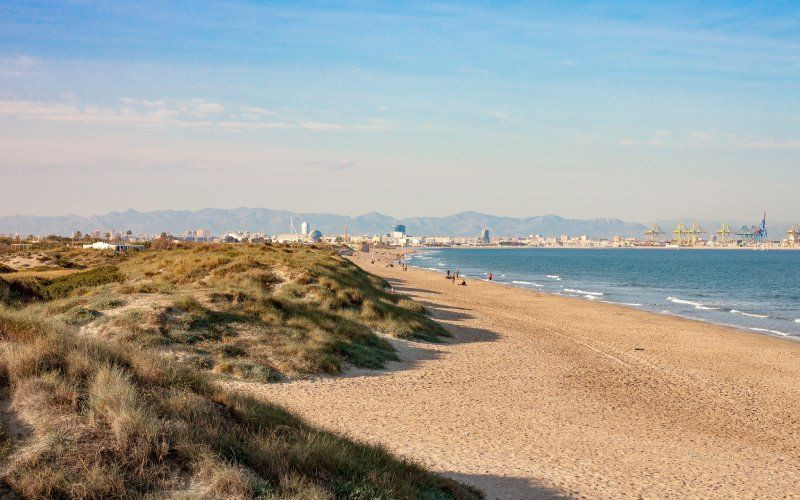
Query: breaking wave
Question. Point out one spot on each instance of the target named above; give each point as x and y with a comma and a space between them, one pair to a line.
582, 292
751, 315
697, 305
766, 330
526, 283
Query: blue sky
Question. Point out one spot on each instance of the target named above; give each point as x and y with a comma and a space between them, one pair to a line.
586, 109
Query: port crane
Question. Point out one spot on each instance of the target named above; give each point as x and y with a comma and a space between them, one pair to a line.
755, 234
654, 233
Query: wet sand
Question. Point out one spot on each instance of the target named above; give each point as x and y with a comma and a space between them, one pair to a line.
541, 396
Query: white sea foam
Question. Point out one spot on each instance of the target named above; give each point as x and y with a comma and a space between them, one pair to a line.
597, 294
629, 304
441, 264
766, 330
697, 305
554, 276
736, 311
526, 283
591, 297
797, 320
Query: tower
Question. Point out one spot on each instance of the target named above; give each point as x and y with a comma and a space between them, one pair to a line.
484, 237
304, 228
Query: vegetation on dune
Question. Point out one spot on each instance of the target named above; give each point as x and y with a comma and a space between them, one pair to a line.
24, 289
92, 418
256, 312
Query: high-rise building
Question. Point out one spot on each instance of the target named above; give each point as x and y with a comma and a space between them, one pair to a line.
484, 237
304, 228
203, 234
399, 231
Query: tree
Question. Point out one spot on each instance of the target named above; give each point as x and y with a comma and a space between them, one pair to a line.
77, 235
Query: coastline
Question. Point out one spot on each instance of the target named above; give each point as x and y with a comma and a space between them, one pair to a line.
634, 302
541, 395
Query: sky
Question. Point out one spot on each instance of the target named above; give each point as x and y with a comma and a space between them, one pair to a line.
637, 110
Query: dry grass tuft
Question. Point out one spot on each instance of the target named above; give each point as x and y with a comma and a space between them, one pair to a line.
115, 419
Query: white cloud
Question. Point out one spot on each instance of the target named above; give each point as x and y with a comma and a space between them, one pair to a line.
17, 66
769, 144
144, 114
500, 115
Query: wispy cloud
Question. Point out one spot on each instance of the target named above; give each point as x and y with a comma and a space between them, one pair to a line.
327, 164
160, 114
17, 66
703, 139
109, 166
500, 115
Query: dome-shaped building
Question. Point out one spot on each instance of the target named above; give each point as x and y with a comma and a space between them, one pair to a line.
314, 236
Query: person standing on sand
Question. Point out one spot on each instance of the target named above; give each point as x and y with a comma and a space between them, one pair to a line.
448, 274
458, 271
490, 276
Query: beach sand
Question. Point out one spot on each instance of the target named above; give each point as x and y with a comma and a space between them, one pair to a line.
543, 396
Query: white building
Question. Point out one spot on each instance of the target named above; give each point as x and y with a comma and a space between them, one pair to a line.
117, 247
304, 228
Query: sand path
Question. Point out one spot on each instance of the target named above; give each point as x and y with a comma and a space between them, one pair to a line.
540, 396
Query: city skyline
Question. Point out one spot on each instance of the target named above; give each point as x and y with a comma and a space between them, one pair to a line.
583, 109
271, 221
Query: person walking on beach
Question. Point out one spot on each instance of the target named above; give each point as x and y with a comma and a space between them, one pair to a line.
458, 271
448, 274
490, 276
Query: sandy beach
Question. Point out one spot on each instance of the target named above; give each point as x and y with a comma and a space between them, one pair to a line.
543, 396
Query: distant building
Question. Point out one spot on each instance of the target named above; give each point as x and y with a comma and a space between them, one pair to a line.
287, 238
314, 236
399, 231
232, 237
304, 228
484, 237
97, 233
117, 247
203, 234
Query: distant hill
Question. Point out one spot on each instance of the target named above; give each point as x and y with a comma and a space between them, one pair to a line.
277, 221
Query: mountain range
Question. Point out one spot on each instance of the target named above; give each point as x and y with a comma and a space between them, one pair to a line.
264, 220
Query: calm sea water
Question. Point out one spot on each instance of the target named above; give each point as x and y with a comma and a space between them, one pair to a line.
748, 289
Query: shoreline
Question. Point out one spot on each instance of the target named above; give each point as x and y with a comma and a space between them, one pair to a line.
738, 328
537, 395
644, 247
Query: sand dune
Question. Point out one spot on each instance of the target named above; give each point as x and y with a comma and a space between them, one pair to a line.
539, 396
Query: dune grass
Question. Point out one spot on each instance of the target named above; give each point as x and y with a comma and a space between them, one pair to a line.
255, 312
103, 419
110, 368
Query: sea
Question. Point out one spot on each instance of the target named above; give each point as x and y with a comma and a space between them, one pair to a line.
752, 290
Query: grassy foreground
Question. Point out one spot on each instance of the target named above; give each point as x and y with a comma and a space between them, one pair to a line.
97, 402
253, 312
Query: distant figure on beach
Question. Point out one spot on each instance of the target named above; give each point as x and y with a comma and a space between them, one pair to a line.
458, 271
463, 282
490, 276
448, 274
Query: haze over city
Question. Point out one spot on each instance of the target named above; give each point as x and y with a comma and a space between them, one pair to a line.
584, 109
